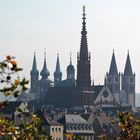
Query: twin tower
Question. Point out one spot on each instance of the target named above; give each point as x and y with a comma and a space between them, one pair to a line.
81, 88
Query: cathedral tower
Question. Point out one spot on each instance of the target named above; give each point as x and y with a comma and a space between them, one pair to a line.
85, 92
34, 77
83, 59
128, 82
113, 78
57, 73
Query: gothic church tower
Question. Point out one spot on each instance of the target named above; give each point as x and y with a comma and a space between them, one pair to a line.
34, 73
85, 91
44, 82
128, 82
113, 78
83, 59
57, 73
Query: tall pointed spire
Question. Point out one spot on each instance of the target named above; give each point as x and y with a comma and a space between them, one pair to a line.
128, 67
113, 66
45, 73
57, 70
57, 73
83, 58
34, 66
84, 46
34, 73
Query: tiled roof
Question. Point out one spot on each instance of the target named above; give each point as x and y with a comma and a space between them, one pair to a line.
75, 119
52, 122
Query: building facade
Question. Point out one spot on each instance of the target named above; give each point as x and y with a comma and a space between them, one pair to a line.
118, 89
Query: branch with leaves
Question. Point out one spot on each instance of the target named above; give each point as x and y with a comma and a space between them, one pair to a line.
130, 127
10, 82
12, 86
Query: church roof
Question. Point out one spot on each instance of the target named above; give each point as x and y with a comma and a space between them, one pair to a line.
105, 97
66, 83
128, 67
98, 89
113, 66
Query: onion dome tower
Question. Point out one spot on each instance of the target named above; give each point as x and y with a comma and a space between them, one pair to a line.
71, 72
44, 83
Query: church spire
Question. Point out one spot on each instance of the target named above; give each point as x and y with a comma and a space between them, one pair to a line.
128, 67
83, 58
34, 66
113, 66
34, 76
57, 73
45, 73
84, 46
57, 70
70, 58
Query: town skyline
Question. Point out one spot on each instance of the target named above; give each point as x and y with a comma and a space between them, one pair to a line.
61, 30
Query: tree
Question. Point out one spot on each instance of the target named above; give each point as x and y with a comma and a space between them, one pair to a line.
10, 82
130, 127
12, 86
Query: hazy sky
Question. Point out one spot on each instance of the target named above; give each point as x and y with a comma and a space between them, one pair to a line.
32, 25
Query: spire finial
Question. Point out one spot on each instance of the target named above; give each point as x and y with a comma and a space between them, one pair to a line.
44, 54
70, 58
83, 9
57, 54
128, 51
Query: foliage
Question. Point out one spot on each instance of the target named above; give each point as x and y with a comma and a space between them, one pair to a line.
130, 127
77, 137
30, 130
12, 86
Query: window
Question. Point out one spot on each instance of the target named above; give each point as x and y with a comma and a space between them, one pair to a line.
59, 129
56, 129
52, 129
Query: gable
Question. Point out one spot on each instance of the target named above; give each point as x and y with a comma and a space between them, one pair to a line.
105, 97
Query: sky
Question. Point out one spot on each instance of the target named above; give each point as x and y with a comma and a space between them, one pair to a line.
28, 26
